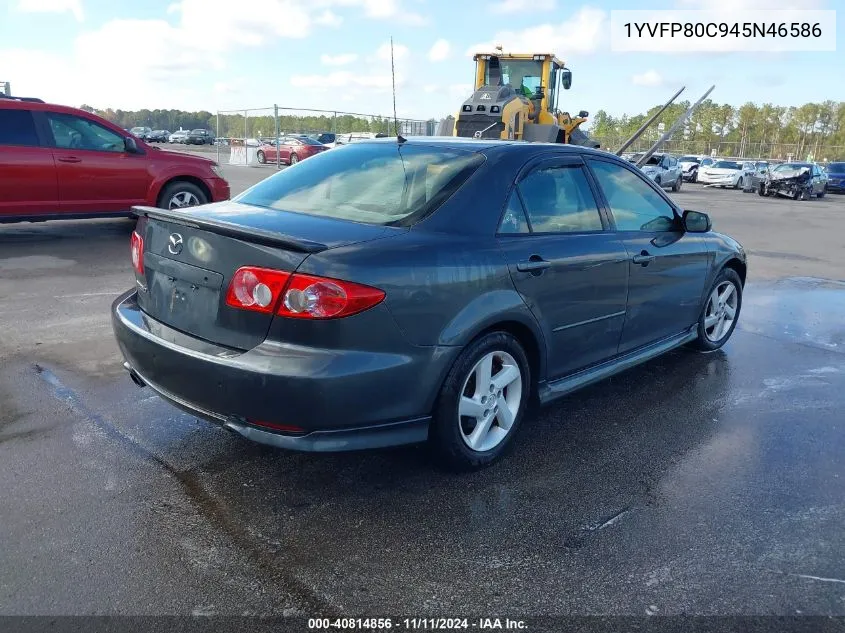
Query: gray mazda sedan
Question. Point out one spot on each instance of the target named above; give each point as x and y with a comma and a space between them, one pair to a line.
423, 290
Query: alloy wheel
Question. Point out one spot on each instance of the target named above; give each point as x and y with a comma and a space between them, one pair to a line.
183, 199
721, 311
490, 400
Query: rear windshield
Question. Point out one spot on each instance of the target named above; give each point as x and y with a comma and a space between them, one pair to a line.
727, 164
372, 183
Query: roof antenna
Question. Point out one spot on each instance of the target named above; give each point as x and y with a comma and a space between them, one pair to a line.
399, 138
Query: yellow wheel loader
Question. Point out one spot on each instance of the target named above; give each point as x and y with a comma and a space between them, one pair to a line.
516, 98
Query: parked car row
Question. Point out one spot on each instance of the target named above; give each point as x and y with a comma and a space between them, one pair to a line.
669, 171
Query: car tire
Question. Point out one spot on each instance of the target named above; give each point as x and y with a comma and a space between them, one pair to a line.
456, 440
739, 183
261, 158
657, 182
294, 159
677, 186
821, 195
694, 177
189, 194
725, 309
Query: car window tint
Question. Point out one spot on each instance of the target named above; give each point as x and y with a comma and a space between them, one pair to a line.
72, 132
17, 128
559, 200
514, 220
634, 204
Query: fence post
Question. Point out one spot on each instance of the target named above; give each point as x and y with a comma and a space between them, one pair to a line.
217, 140
246, 145
334, 123
276, 121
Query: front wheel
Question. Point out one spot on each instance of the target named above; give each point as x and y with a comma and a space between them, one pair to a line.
294, 159
677, 186
261, 158
721, 312
481, 403
181, 194
739, 183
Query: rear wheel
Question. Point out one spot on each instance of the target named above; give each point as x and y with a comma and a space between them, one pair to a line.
181, 194
261, 158
294, 159
481, 403
721, 312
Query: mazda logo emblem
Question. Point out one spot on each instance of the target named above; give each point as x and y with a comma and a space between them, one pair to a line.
175, 245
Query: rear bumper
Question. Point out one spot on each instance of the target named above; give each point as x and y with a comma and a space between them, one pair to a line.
342, 400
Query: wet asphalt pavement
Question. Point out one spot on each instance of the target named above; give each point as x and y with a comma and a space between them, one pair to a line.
696, 484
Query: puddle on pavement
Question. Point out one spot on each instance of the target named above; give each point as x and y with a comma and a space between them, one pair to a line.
805, 310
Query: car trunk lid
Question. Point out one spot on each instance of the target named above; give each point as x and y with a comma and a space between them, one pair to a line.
190, 257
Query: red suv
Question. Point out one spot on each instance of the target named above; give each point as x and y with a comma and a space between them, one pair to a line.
59, 162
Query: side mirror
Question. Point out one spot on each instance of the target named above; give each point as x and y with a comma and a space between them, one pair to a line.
697, 222
566, 78
131, 146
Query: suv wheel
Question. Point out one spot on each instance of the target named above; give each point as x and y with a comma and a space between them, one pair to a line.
181, 194
677, 186
481, 403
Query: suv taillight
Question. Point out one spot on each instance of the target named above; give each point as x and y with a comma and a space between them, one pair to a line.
136, 244
298, 296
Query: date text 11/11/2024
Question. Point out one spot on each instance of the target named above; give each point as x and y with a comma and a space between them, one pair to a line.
415, 624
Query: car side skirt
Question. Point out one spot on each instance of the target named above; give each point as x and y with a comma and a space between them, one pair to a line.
553, 390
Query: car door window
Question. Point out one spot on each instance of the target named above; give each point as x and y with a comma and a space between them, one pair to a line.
514, 220
559, 200
635, 205
72, 132
17, 128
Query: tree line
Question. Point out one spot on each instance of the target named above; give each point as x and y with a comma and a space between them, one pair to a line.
251, 126
747, 131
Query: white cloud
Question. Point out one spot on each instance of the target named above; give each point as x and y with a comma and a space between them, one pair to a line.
440, 51
650, 78
515, 6
328, 18
52, 6
338, 60
392, 10
585, 32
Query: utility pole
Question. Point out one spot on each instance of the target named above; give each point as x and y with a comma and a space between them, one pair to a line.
7, 89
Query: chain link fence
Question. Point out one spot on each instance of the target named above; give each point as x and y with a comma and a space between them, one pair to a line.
240, 132
733, 149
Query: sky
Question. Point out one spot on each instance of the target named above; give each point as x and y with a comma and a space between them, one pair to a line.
219, 55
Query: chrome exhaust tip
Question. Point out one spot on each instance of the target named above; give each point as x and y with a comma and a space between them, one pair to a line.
133, 375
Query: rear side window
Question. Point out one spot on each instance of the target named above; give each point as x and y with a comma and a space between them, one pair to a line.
17, 127
372, 183
559, 200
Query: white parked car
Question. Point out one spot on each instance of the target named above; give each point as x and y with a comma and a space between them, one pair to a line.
726, 173
178, 137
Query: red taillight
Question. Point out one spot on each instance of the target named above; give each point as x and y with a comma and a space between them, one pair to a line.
256, 289
136, 244
310, 297
298, 296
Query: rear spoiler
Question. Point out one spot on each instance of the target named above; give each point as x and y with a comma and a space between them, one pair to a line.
237, 231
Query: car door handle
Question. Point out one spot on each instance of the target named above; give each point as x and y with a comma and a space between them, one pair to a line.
534, 264
643, 258
69, 159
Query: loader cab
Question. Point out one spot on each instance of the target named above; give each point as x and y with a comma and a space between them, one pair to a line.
538, 78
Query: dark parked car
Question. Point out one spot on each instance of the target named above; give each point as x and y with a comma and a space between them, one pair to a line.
199, 137
382, 293
158, 136
799, 181
836, 177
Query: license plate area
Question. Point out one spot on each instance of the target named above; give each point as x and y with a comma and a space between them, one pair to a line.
183, 296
